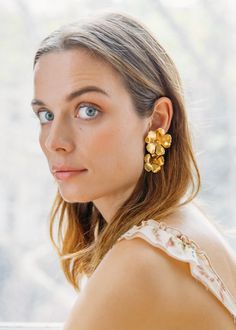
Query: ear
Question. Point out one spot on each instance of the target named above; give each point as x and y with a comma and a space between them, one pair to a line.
162, 114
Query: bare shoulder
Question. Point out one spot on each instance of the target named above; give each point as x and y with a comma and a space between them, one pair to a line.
122, 293
173, 289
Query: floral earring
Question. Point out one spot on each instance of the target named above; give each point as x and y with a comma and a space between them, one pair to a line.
156, 141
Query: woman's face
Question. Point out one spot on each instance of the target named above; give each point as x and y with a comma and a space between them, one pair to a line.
88, 122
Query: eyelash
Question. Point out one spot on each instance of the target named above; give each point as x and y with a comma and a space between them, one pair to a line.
82, 105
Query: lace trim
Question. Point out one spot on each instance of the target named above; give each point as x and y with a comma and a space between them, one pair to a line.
187, 251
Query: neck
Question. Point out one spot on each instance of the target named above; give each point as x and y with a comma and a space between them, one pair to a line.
108, 205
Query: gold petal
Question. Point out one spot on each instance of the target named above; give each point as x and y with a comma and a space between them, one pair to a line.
159, 150
151, 137
159, 160
148, 167
166, 141
151, 147
147, 158
155, 168
160, 133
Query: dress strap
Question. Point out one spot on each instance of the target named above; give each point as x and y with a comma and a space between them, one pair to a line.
181, 247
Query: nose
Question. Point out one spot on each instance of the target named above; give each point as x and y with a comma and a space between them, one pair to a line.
59, 136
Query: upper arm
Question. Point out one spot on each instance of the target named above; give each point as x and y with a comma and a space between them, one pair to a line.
120, 294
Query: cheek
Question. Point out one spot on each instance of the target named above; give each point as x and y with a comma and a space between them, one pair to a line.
102, 144
119, 149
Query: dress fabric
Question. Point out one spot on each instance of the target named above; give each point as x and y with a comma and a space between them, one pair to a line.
180, 247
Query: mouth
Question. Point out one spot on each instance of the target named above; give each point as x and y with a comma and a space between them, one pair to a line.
63, 175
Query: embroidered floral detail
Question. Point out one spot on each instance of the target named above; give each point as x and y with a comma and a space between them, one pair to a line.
176, 242
155, 231
170, 242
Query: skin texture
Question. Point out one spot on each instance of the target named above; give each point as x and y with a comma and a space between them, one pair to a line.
109, 142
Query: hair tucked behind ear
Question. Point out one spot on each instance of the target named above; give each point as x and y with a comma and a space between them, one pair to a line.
83, 236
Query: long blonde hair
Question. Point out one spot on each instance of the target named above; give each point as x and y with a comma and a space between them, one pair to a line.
83, 236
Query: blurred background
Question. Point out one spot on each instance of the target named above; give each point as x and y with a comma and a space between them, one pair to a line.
200, 37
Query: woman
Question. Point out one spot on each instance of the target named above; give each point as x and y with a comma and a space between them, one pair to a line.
106, 94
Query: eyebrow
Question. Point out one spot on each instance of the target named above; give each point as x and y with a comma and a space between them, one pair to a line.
71, 96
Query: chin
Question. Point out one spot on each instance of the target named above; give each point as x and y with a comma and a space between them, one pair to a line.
74, 198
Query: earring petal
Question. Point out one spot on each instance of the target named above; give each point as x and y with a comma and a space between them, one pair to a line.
151, 148
147, 158
155, 168
159, 160
148, 167
160, 133
166, 141
159, 150
151, 137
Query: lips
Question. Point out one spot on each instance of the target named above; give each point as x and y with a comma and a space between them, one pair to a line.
56, 169
68, 174
65, 172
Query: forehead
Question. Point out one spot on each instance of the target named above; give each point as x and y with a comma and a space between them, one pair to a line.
61, 71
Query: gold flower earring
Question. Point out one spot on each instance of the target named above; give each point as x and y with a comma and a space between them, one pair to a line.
156, 141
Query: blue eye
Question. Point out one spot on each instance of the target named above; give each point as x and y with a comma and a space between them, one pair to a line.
89, 111
48, 116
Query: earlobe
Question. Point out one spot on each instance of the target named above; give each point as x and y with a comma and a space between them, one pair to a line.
162, 114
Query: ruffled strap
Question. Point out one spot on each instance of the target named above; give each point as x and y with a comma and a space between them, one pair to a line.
180, 247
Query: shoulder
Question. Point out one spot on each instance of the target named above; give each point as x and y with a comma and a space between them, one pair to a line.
124, 261
127, 288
